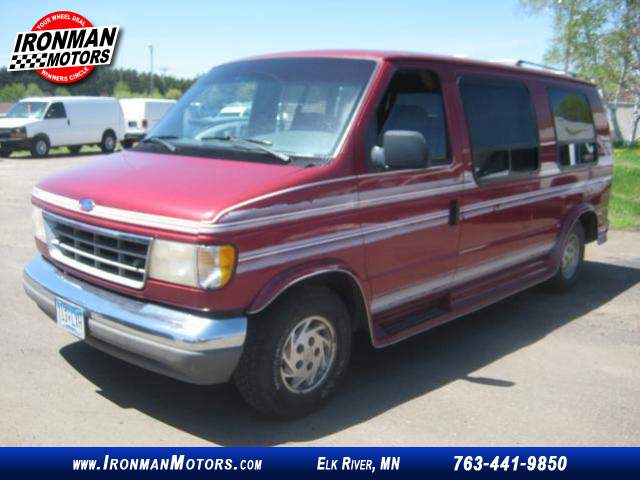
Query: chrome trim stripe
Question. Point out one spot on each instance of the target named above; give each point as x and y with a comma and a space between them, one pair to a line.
124, 216
281, 254
381, 197
455, 278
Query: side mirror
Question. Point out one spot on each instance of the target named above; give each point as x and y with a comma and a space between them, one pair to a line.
401, 149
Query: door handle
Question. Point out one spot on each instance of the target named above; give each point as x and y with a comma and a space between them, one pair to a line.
454, 212
68, 122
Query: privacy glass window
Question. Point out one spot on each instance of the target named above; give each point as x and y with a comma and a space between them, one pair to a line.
413, 101
575, 133
501, 121
56, 110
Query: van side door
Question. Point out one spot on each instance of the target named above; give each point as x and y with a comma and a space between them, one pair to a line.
502, 161
58, 126
409, 215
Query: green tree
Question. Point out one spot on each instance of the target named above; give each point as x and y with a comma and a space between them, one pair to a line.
597, 39
121, 90
33, 90
173, 93
12, 92
61, 92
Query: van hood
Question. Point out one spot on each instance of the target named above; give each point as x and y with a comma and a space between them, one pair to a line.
15, 122
183, 187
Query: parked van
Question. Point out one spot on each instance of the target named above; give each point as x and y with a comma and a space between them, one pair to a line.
399, 192
141, 115
39, 123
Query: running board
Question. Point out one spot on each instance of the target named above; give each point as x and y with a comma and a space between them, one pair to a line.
413, 320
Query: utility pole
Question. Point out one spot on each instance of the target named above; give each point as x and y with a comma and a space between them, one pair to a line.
150, 68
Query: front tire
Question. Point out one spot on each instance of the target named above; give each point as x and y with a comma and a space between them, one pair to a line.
108, 143
571, 260
295, 353
40, 147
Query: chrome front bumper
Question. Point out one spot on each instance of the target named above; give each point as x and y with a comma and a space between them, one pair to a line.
195, 348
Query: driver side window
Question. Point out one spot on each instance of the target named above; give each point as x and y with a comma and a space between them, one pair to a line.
56, 110
413, 101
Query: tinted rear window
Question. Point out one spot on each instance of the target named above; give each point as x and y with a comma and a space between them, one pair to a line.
502, 127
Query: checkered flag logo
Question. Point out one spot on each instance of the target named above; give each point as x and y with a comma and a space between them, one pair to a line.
28, 61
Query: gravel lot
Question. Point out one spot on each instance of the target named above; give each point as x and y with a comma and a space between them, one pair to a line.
535, 369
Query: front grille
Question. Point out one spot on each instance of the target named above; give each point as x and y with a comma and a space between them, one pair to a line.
109, 254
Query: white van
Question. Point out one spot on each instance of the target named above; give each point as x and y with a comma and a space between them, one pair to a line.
141, 115
39, 123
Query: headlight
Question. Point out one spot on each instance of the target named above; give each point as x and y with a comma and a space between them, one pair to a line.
39, 230
200, 266
20, 132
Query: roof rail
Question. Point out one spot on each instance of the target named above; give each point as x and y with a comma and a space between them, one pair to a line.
538, 66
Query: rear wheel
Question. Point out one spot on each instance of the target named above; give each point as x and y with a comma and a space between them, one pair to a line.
295, 353
75, 149
40, 147
108, 143
570, 261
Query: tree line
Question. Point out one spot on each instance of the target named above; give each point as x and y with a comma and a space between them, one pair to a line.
598, 40
112, 82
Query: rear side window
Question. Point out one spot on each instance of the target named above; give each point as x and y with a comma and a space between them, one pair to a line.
573, 121
413, 101
502, 127
56, 110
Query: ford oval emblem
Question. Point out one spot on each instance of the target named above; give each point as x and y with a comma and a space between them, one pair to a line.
86, 204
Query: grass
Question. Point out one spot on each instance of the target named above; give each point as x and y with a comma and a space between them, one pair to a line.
624, 205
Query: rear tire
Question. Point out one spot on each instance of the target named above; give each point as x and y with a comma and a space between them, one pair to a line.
571, 260
295, 353
40, 147
108, 143
75, 149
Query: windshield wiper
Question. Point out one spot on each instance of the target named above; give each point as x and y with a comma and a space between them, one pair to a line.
162, 140
260, 144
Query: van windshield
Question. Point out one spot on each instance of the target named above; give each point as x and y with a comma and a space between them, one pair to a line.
27, 110
298, 107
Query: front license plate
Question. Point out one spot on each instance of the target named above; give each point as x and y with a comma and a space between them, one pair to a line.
70, 317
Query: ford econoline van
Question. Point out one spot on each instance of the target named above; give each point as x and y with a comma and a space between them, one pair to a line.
141, 115
387, 193
39, 123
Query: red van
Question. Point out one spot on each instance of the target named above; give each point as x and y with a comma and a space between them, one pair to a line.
383, 192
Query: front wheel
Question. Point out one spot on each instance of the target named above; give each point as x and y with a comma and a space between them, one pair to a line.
295, 353
571, 260
108, 143
40, 147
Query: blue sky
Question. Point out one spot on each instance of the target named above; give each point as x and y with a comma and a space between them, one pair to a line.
191, 36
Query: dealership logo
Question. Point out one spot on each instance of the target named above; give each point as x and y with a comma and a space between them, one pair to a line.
63, 47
